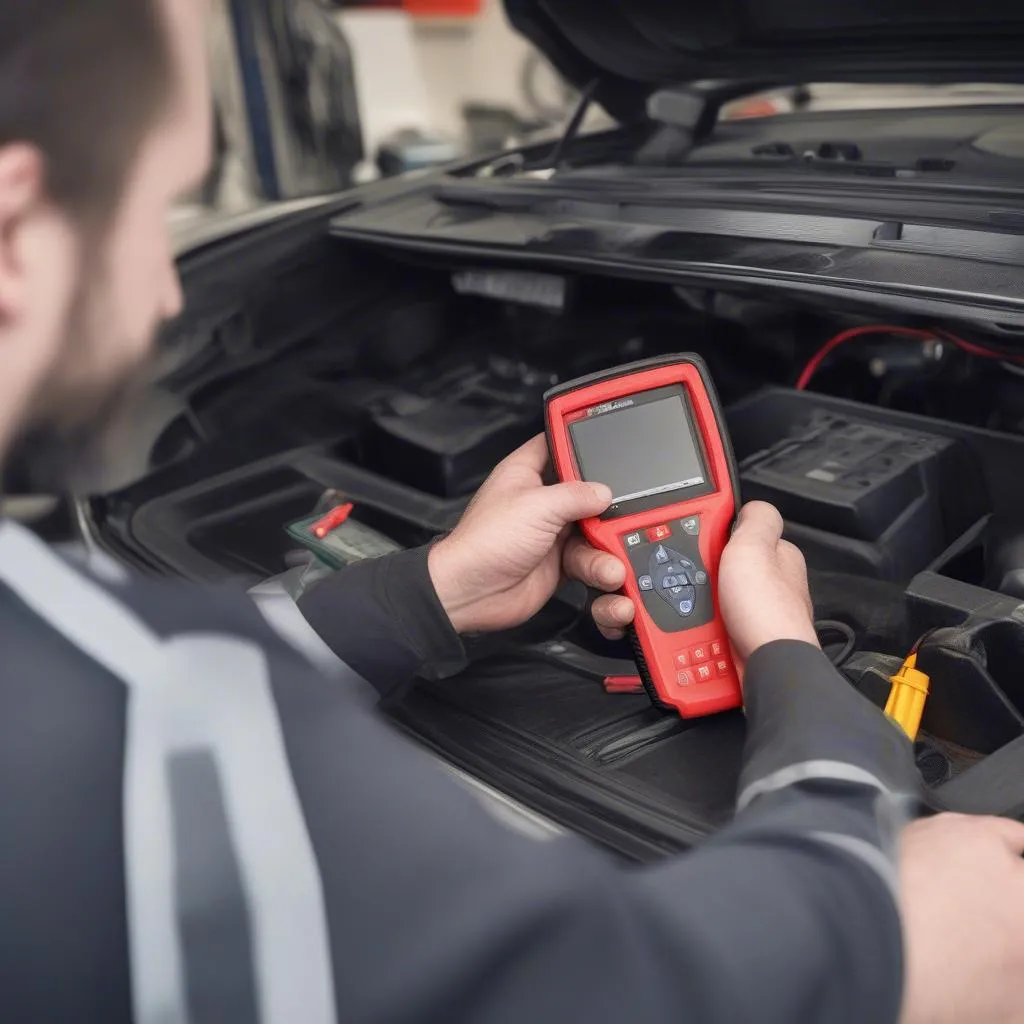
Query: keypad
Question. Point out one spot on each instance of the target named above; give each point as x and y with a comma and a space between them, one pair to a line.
702, 663
674, 577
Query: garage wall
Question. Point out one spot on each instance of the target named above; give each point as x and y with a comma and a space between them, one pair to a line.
481, 59
413, 72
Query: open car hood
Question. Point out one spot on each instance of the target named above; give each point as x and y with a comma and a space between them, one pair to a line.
633, 47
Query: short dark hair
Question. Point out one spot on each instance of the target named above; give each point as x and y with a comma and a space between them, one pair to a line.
83, 80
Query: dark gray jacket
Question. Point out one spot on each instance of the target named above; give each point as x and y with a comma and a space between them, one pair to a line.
203, 819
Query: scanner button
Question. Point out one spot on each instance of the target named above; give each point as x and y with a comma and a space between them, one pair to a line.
700, 578
684, 678
657, 533
701, 653
676, 591
669, 582
703, 673
686, 607
722, 667
691, 525
683, 659
633, 540
661, 555
717, 648
646, 583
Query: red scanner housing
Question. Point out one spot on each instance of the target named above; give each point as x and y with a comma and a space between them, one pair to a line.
670, 536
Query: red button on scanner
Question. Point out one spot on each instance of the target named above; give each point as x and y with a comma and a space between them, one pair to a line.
700, 653
717, 648
703, 673
722, 667
683, 659
656, 533
684, 678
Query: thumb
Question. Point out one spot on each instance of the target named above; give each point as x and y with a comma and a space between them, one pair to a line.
562, 504
759, 524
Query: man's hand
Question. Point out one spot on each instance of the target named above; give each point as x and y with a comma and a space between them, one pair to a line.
762, 584
762, 588
508, 554
962, 881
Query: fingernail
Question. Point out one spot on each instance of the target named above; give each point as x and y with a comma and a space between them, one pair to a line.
602, 492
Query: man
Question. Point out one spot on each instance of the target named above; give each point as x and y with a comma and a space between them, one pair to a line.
198, 824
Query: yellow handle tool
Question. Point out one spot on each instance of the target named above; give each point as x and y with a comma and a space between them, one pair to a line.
907, 696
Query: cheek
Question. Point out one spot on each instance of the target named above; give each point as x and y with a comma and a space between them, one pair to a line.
138, 274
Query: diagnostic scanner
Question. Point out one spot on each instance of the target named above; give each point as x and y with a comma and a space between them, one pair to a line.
653, 432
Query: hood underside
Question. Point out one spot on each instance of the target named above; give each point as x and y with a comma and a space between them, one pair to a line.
633, 47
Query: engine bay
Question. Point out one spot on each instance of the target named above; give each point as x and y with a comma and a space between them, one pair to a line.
894, 463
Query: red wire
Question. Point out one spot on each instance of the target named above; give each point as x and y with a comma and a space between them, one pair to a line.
976, 350
854, 332
904, 332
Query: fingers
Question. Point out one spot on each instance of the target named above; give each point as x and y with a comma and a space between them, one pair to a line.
612, 614
594, 568
759, 523
562, 504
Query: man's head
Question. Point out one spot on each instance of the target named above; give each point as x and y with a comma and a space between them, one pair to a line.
104, 122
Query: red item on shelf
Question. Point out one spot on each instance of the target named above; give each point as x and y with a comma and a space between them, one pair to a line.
442, 8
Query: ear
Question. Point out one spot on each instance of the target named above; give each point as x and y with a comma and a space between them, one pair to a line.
21, 193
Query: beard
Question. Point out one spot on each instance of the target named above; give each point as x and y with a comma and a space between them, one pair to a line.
80, 422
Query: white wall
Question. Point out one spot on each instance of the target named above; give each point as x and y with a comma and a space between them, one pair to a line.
480, 59
412, 72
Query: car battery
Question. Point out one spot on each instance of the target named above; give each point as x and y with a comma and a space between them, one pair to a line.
867, 497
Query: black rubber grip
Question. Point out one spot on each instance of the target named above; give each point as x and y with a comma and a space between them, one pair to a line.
644, 672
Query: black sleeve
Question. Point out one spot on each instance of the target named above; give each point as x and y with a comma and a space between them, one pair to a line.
438, 912
248, 806
791, 914
801, 711
382, 617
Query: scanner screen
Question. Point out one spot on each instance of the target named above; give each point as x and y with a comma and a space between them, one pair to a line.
640, 445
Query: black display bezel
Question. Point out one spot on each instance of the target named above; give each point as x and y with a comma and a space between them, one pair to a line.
649, 502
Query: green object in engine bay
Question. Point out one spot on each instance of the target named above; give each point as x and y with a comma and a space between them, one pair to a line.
351, 542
